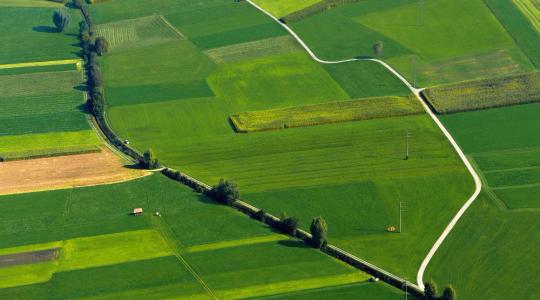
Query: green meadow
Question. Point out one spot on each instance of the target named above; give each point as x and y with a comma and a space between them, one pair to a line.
352, 173
497, 237
456, 38
195, 249
281, 8
29, 34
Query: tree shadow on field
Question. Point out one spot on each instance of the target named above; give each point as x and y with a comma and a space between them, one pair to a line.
293, 244
207, 200
48, 29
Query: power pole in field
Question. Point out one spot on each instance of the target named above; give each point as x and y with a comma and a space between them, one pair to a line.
406, 144
401, 210
420, 20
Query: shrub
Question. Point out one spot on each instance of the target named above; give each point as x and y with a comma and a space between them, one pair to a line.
261, 216
319, 231
101, 46
448, 293
288, 224
149, 161
77, 3
225, 192
430, 290
61, 19
97, 103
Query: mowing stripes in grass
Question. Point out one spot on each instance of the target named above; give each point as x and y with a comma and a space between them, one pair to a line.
236, 243
326, 113
531, 11
488, 93
251, 50
138, 32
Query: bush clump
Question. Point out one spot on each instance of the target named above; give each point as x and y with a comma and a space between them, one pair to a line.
319, 231
61, 19
225, 192
288, 224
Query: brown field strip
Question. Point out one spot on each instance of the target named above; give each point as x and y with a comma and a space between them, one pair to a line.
64, 172
28, 257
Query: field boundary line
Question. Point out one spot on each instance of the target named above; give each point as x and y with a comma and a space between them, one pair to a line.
42, 64
172, 27
418, 93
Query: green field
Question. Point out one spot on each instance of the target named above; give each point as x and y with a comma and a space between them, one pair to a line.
106, 253
482, 94
29, 34
326, 113
354, 173
418, 41
281, 8
503, 221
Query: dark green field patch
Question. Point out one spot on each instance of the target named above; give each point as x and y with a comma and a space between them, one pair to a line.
351, 291
127, 95
366, 79
519, 198
520, 158
513, 177
236, 36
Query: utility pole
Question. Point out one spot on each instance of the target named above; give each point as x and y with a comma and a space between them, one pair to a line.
406, 144
414, 64
420, 20
401, 210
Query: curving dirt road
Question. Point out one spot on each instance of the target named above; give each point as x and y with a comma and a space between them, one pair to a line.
416, 92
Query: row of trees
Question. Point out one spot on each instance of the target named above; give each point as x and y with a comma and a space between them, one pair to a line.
431, 292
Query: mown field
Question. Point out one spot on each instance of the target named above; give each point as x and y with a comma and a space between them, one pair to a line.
29, 34
482, 94
196, 249
43, 113
351, 173
455, 38
504, 144
281, 8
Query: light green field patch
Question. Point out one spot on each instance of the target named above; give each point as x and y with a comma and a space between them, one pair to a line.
27, 274
531, 10
29, 248
326, 113
30, 3
138, 32
101, 250
31, 145
292, 286
251, 50
236, 243
281, 8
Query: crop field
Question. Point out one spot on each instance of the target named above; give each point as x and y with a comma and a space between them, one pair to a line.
38, 119
281, 8
352, 173
482, 94
415, 38
326, 113
138, 32
531, 10
104, 252
503, 142
28, 35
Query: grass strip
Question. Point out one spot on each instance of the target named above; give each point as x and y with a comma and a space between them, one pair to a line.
487, 93
326, 113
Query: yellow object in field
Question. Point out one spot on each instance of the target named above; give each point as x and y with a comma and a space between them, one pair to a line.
42, 64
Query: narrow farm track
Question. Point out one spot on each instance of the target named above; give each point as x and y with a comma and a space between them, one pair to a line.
416, 92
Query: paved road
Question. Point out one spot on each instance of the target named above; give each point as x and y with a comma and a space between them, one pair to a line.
416, 92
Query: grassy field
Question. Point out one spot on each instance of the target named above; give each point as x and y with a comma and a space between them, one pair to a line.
531, 10
351, 173
233, 256
519, 27
501, 142
482, 94
281, 8
29, 34
326, 113
417, 40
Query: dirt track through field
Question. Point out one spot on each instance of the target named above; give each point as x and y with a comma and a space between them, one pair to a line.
64, 172
28, 257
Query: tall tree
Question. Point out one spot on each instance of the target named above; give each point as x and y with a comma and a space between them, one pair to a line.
61, 19
378, 49
319, 231
101, 46
149, 160
225, 192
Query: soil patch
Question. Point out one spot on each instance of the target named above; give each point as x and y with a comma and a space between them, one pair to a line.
28, 257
